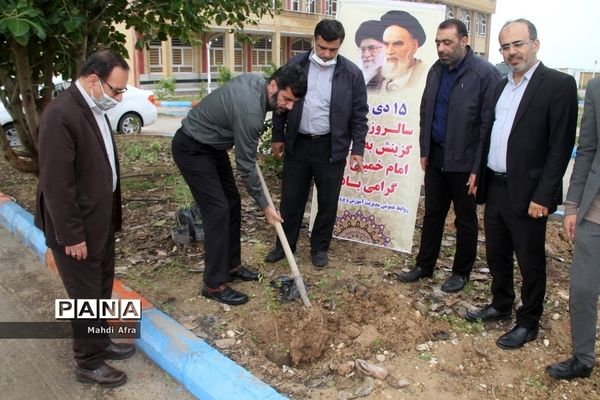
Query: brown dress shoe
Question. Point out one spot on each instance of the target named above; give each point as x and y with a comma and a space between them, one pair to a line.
119, 351
105, 376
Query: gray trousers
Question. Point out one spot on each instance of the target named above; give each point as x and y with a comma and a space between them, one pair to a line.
584, 290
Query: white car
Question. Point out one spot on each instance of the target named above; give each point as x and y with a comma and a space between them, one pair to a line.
135, 111
7, 123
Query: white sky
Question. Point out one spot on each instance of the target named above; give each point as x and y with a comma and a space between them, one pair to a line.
567, 30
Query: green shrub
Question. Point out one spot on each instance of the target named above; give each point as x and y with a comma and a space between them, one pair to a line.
268, 70
165, 87
225, 74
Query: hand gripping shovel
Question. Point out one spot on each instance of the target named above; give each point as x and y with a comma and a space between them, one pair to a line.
284, 243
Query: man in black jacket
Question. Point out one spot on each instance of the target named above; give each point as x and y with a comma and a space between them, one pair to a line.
318, 132
462, 84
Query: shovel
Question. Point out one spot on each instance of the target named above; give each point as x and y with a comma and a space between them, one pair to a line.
284, 243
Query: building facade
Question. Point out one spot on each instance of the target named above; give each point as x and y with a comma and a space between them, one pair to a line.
274, 41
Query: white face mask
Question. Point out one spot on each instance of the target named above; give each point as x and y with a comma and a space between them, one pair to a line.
319, 61
105, 102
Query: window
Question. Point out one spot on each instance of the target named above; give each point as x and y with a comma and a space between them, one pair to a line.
238, 57
217, 52
330, 7
295, 6
182, 55
261, 53
481, 25
467, 21
300, 46
155, 56
310, 6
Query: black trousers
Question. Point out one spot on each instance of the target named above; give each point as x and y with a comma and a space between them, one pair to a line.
309, 161
91, 278
507, 232
209, 175
442, 188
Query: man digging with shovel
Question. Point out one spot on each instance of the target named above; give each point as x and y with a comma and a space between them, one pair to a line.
231, 116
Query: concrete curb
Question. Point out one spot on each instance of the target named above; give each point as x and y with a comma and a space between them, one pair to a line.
202, 370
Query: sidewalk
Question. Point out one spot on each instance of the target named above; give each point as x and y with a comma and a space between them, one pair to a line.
43, 368
205, 372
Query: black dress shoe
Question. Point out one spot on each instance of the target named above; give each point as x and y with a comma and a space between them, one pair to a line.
413, 275
487, 314
320, 259
225, 295
105, 376
516, 338
275, 255
569, 369
244, 274
119, 351
454, 283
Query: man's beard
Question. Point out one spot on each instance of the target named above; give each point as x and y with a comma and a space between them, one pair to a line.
273, 103
393, 71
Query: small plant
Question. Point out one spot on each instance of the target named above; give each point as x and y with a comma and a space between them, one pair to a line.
165, 87
271, 302
225, 74
461, 325
425, 356
469, 288
268, 160
535, 382
376, 345
183, 195
268, 70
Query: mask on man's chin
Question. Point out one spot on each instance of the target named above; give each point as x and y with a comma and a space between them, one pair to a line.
105, 102
319, 61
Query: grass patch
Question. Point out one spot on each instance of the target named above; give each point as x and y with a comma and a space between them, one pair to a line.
461, 325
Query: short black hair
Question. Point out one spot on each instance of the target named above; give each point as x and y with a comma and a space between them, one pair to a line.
102, 63
460, 26
406, 21
369, 29
530, 27
292, 76
330, 30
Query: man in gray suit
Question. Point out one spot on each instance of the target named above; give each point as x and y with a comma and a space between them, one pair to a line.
582, 223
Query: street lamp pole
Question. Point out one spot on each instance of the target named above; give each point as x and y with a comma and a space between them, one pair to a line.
208, 63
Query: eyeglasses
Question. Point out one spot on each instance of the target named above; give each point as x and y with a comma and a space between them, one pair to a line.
116, 91
371, 49
517, 44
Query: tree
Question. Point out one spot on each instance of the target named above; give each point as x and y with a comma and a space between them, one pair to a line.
45, 38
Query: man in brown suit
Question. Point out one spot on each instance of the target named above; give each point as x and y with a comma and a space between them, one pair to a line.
79, 202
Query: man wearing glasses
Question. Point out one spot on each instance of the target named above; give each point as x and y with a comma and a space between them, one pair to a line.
525, 155
79, 203
371, 51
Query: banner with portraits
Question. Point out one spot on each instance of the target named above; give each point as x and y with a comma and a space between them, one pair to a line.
393, 42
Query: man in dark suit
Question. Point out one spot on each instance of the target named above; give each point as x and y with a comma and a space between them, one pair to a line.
526, 154
79, 202
317, 133
582, 223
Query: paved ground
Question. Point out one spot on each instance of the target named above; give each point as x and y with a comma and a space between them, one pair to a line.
43, 368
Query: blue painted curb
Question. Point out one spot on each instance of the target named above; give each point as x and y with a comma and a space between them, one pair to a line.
168, 103
20, 223
202, 370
